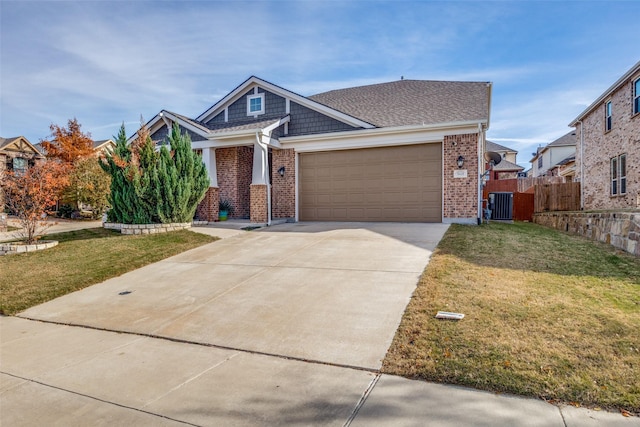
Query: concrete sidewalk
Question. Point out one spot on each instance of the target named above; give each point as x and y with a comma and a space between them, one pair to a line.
280, 326
58, 226
59, 375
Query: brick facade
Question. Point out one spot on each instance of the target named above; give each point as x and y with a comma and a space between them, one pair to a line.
208, 207
259, 212
283, 189
460, 195
234, 166
598, 147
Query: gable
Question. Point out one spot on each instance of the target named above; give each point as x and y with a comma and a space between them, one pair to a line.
233, 107
18, 145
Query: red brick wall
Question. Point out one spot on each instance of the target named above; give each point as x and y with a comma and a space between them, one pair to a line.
245, 172
234, 166
460, 195
283, 188
258, 203
208, 207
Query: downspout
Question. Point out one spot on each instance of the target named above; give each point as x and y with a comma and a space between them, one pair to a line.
265, 167
480, 171
581, 165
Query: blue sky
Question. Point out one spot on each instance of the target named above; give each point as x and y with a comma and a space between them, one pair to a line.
108, 62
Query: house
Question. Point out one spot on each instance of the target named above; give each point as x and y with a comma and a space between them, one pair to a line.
17, 154
508, 167
546, 160
104, 146
408, 150
608, 158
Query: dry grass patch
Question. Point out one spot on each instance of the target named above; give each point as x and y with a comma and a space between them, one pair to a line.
547, 315
83, 258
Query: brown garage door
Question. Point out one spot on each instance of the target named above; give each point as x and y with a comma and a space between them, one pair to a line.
373, 184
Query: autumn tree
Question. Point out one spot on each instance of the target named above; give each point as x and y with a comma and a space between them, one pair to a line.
31, 195
68, 144
89, 185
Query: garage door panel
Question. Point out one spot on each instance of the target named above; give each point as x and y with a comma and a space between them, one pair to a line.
377, 184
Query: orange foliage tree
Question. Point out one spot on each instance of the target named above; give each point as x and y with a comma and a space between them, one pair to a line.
31, 195
68, 144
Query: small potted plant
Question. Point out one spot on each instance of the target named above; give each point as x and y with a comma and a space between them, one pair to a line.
224, 209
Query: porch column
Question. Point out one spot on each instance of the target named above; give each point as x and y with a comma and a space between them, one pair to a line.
260, 186
208, 207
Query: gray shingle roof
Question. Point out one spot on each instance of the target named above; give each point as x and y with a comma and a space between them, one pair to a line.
568, 139
234, 126
411, 102
506, 165
492, 146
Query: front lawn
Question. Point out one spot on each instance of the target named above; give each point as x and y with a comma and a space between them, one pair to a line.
81, 259
546, 314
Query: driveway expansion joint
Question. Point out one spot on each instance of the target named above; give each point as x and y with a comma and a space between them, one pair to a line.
98, 399
204, 344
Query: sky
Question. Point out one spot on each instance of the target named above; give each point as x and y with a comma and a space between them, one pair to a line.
111, 62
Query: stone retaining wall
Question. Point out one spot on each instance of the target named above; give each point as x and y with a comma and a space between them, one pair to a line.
146, 228
619, 229
19, 248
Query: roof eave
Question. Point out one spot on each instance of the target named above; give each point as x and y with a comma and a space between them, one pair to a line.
635, 69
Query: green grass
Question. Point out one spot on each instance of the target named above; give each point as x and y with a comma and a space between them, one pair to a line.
83, 258
547, 315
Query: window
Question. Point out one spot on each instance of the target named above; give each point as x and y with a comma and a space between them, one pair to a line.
614, 176
19, 165
255, 104
636, 96
607, 116
540, 162
619, 175
622, 174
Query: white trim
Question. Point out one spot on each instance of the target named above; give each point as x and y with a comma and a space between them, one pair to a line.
287, 105
250, 98
226, 115
369, 138
306, 102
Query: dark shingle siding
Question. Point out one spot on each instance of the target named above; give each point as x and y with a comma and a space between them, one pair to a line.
160, 136
411, 102
305, 121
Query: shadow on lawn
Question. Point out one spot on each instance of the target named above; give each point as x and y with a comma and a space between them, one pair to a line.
85, 234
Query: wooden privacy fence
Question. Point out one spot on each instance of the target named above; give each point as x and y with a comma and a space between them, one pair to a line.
557, 197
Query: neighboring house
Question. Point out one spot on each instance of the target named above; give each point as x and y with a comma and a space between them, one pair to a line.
608, 158
408, 150
566, 169
17, 154
104, 146
508, 167
546, 160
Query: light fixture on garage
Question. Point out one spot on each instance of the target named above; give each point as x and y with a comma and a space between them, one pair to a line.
460, 161
281, 171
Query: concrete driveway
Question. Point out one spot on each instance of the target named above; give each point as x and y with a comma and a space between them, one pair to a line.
328, 292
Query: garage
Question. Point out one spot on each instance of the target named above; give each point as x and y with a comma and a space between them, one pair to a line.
402, 183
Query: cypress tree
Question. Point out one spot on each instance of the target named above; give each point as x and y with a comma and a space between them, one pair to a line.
147, 186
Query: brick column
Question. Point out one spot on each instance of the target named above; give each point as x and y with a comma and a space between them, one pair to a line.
259, 203
208, 208
460, 202
283, 190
